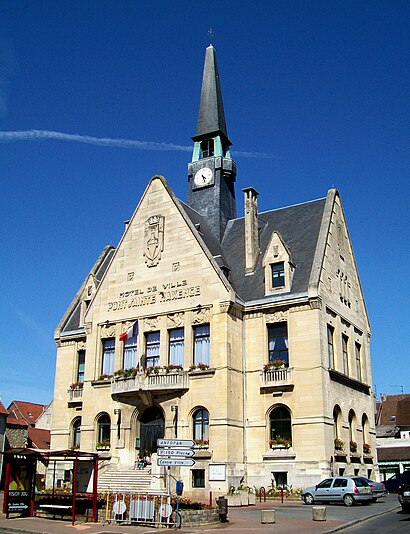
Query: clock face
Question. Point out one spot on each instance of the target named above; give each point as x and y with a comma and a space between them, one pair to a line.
203, 177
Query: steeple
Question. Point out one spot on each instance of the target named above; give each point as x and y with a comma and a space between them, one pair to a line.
211, 117
212, 172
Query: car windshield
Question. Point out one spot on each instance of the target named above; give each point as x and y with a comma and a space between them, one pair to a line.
406, 477
360, 482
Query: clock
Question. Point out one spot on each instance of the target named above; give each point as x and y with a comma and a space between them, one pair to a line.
203, 177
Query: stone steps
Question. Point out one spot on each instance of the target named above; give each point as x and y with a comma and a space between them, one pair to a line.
130, 480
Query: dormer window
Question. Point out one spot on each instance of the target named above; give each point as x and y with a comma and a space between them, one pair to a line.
278, 274
207, 148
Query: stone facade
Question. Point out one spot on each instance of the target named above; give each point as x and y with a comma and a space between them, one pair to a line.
256, 419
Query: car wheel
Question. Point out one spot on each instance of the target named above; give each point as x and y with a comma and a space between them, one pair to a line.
308, 498
405, 508
374, 499
348, 500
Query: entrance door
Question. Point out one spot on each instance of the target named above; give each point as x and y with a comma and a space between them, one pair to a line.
152, 427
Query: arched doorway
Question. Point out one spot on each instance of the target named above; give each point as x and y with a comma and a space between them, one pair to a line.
152, 427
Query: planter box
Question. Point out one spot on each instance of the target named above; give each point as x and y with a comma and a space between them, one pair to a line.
243, 498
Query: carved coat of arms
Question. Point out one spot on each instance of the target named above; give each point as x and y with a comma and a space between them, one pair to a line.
154, 239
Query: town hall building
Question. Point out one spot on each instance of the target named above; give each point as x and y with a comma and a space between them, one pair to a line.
246, 334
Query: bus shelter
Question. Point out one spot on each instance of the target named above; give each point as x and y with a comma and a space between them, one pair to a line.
78, 497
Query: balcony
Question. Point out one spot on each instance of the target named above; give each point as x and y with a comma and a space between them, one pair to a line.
75, 395
277, 380
149, 386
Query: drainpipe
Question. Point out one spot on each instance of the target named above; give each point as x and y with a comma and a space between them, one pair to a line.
245, 441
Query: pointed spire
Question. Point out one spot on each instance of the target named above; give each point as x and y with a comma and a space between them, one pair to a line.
211, 117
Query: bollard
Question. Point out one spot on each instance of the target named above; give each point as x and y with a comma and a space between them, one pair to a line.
268, 516
222, 503
319, 513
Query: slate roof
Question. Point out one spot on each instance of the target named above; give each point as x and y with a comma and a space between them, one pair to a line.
71, 319
298, 226
211, 117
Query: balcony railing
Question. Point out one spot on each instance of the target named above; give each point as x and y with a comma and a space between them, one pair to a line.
75, 394
277, 379
154, 382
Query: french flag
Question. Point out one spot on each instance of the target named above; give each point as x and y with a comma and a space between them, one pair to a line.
131, 332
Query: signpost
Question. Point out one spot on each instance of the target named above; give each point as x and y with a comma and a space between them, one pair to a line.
175, 442
172, 462
184, 453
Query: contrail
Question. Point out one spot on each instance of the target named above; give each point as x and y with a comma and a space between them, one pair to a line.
35, 135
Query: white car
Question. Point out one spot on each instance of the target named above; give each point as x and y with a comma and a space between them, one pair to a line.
347, 489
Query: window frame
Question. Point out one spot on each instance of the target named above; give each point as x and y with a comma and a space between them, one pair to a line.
104, 429
285, 423
278, 275
358, 360
80, 366
331, 346
202, 344
129, 348
153, 359
345, 354
280, 353
198, 481
108, 356
175, 346
200, 425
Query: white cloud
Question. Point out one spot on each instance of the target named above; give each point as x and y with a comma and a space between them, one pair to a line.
35, 135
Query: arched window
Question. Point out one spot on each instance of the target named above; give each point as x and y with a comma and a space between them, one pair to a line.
280, 426
352, 431
337, 428
103, 429
366, 434
76, 433
201, 426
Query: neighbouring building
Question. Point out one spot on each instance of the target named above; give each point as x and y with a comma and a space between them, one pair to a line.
248, 335
393, 434
28, 425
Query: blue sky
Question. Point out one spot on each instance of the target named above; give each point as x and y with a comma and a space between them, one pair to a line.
322, 87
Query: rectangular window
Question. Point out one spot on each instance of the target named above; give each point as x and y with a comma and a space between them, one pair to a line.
278, 275
130, 353
81, 366
330, 347
345, 355
152, 341
278, 342
108, 356
198, 478
176, 346
358, 361
201, 344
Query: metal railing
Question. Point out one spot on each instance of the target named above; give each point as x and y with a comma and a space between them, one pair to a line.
150, 382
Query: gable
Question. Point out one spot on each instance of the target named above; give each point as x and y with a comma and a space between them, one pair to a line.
338, 281
161, 263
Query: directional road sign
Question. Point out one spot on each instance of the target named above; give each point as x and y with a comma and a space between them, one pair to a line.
175, 442
184, 453
169, 462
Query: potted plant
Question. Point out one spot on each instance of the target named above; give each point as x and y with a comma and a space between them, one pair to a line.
280, 442
339, 444
105, 376
102, 445
202, 443
154, 369
77, 385
173, 368
353, 446
366, 448
274, 364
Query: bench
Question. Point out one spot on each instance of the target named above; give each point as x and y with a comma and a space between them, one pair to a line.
57, 509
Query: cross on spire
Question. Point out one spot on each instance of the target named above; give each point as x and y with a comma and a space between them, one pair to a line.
211, 34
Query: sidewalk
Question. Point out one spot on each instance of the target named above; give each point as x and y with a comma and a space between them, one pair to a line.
290, 517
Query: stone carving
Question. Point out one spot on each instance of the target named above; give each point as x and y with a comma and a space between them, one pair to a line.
108, 331
201, 316
81, 345
276, 317
175, 320
154, 239
151, 323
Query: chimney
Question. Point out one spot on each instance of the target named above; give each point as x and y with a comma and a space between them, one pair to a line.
251, 229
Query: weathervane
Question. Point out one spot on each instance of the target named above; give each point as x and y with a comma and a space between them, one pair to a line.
211, 34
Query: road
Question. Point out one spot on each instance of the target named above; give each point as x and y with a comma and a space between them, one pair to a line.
390, 523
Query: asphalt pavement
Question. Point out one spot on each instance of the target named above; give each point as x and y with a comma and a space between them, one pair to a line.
290, 517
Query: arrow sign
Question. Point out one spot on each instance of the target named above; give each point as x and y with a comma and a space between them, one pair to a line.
185, 453
169, 462
175, 443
